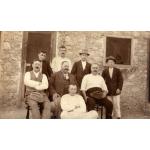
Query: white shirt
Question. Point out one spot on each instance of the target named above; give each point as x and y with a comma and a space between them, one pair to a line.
83, 64
57, 61
111, 72
68, 103
90, 81
35, 84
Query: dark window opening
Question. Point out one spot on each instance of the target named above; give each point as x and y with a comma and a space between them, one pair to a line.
120, 48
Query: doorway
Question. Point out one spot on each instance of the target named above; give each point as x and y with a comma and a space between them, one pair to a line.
33, 43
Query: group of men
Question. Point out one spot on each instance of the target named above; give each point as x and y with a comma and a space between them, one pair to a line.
71, 92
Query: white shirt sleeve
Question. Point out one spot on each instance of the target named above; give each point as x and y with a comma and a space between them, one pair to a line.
44, 84
104, 87
84, 83
29, 82
64, 104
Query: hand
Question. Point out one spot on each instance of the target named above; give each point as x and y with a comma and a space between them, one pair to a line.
77, 107
55, 95
37, 87
118, 91
104, 94
85, 99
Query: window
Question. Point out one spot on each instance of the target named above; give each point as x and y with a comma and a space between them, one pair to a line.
120, 48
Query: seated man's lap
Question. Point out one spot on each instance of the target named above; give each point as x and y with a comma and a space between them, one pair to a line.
91, 103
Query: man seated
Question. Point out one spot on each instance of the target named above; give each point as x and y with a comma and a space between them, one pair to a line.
73, 106
36, 84
95, 90
60, 82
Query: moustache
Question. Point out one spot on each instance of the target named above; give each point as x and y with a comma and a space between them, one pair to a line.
37, 67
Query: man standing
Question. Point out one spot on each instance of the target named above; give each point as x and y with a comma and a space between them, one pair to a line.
73, 106
60, 82
36, 83
114, 82
46, 69
92, 85
57, 61
82, 67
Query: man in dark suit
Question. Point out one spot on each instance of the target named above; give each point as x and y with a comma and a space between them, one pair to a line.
82, 67
60, 82
114, 82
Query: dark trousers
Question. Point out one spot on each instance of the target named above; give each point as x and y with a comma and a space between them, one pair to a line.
103, 102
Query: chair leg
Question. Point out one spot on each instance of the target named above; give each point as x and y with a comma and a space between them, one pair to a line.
28, 113
102, 112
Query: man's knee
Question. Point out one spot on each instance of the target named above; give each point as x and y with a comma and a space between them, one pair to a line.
33, 104
47, 105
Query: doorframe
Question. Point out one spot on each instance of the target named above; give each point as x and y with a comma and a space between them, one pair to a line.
24, 54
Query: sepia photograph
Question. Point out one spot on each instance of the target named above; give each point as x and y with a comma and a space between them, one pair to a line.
74, 74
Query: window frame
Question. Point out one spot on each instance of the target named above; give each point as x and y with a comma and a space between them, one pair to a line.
132, 50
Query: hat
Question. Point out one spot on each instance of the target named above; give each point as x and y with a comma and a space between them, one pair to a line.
95, 92
111, 58
84, 51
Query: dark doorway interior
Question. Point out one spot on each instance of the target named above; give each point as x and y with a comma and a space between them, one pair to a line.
36, 42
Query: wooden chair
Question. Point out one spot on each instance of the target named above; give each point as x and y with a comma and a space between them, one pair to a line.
100, 110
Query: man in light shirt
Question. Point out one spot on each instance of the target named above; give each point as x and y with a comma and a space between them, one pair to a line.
73, 106
36, 83
57, 61
93, 82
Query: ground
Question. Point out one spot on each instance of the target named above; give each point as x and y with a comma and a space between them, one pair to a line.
20, 113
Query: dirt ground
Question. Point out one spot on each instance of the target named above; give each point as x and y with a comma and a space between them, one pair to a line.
20, 113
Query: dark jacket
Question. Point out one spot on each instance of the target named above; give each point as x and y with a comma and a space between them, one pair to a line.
58, 83
78, 71
46, 69
114, 83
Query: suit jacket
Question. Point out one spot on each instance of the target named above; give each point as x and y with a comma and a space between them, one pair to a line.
57, 83
114, 83
79, 73
46, 69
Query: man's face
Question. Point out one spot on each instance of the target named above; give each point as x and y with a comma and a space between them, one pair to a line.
83, 57
65, 67
36, 66
94, 69
110, 63
42, 56
62, 52
72, 89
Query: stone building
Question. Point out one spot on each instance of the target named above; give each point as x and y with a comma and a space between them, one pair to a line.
17, 49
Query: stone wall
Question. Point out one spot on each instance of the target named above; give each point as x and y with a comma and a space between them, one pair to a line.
10, 67
134, 95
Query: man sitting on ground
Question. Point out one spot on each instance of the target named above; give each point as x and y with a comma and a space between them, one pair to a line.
73, 106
